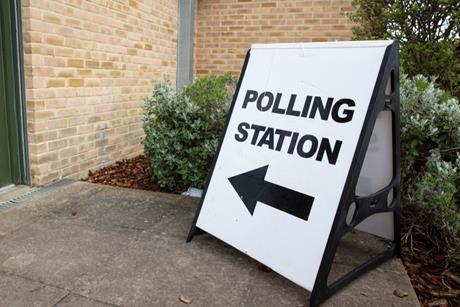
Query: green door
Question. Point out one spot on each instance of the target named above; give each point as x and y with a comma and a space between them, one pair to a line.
5, 162
13, 149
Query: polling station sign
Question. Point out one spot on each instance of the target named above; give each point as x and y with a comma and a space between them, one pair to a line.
288, 163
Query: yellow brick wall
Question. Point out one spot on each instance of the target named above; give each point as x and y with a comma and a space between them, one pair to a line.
88, 66
225, 29
90, 63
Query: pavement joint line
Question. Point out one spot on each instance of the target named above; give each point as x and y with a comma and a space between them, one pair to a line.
33, 280
8, 234
94, 300
85, 222
61, 299
69, 292
247, 291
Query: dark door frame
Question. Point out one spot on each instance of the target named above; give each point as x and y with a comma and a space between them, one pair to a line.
13, 64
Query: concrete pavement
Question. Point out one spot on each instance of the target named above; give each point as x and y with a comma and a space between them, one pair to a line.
92, 245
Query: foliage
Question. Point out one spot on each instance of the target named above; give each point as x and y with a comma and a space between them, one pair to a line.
429, 32
430, 164
182, 129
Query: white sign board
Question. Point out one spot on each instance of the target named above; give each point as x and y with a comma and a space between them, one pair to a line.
287, 151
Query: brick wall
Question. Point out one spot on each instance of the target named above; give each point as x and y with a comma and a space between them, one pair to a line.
88, 66
90, 63
225, 29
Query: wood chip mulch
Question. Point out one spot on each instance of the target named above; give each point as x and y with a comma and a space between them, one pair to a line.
434, 283
128, 173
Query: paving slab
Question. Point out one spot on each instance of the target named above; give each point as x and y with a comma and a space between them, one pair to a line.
44, 205
98, 245
19, 291
60, 252
73, 300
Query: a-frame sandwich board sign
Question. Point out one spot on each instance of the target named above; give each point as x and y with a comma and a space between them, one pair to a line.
288, 164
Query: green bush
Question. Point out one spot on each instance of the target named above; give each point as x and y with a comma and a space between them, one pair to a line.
430, 164
430, 117
182, 129
427, 29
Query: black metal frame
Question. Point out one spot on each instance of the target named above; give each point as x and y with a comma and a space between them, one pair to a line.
365, 206
371, 204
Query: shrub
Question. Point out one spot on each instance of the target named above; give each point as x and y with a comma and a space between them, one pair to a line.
430, 164
182, 129
428, 31
430, 119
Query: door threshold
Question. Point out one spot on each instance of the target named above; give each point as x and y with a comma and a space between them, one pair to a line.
6, 187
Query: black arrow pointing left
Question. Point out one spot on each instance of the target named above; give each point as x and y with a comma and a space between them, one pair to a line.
252, 187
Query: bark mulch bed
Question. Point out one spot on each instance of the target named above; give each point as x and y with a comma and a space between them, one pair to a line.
128, 173
434, 283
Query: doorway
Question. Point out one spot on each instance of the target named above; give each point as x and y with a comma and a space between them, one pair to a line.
13, 129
